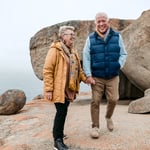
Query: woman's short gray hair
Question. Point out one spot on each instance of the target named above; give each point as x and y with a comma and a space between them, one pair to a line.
62, 29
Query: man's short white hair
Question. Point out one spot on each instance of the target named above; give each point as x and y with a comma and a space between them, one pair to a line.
101, 14
62, 29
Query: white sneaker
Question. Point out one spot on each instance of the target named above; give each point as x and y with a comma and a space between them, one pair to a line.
110, 124
95, 132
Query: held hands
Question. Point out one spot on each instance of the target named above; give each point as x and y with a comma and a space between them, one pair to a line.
49, 95
90, 80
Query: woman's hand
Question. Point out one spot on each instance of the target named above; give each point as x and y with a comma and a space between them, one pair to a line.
49, 95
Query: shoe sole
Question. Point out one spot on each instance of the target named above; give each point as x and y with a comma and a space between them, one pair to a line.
57, 148
94, 137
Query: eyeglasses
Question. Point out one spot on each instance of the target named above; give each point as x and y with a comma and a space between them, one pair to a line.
72, 34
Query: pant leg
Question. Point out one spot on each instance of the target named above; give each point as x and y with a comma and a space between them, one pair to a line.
59, 120
97, 93
112, 95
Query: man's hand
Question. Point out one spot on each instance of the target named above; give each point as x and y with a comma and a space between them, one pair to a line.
90, 80
49, 95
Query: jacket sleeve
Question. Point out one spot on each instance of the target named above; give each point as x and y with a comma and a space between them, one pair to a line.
82, 76
48, 70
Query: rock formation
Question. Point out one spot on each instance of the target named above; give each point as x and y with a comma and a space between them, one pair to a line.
12, 101
137, 68
141, 105
137, 42
135, 76
40, 43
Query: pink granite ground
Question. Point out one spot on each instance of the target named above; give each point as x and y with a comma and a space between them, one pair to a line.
31, 128
131, 132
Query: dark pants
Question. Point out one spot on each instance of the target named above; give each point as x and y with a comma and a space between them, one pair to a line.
60, 117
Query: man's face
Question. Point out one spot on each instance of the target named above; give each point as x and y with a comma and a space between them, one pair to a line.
102, 24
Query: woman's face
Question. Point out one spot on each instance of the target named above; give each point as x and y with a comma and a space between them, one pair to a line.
68, 37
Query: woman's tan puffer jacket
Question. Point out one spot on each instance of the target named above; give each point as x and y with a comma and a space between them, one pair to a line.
54, 73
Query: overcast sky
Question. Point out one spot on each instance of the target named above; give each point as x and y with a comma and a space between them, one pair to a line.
21, 19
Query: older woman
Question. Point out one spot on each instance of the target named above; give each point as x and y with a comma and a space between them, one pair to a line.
62, 74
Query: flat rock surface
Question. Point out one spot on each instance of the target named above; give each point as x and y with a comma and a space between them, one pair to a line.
31, 129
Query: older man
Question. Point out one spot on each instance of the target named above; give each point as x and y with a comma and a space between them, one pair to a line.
104, 55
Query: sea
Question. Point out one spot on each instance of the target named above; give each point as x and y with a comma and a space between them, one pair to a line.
27, 82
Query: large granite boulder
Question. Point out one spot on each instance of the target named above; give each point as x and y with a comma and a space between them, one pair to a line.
12, 101
141, 105
40, 43
134, 79
137, 68
137, 41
